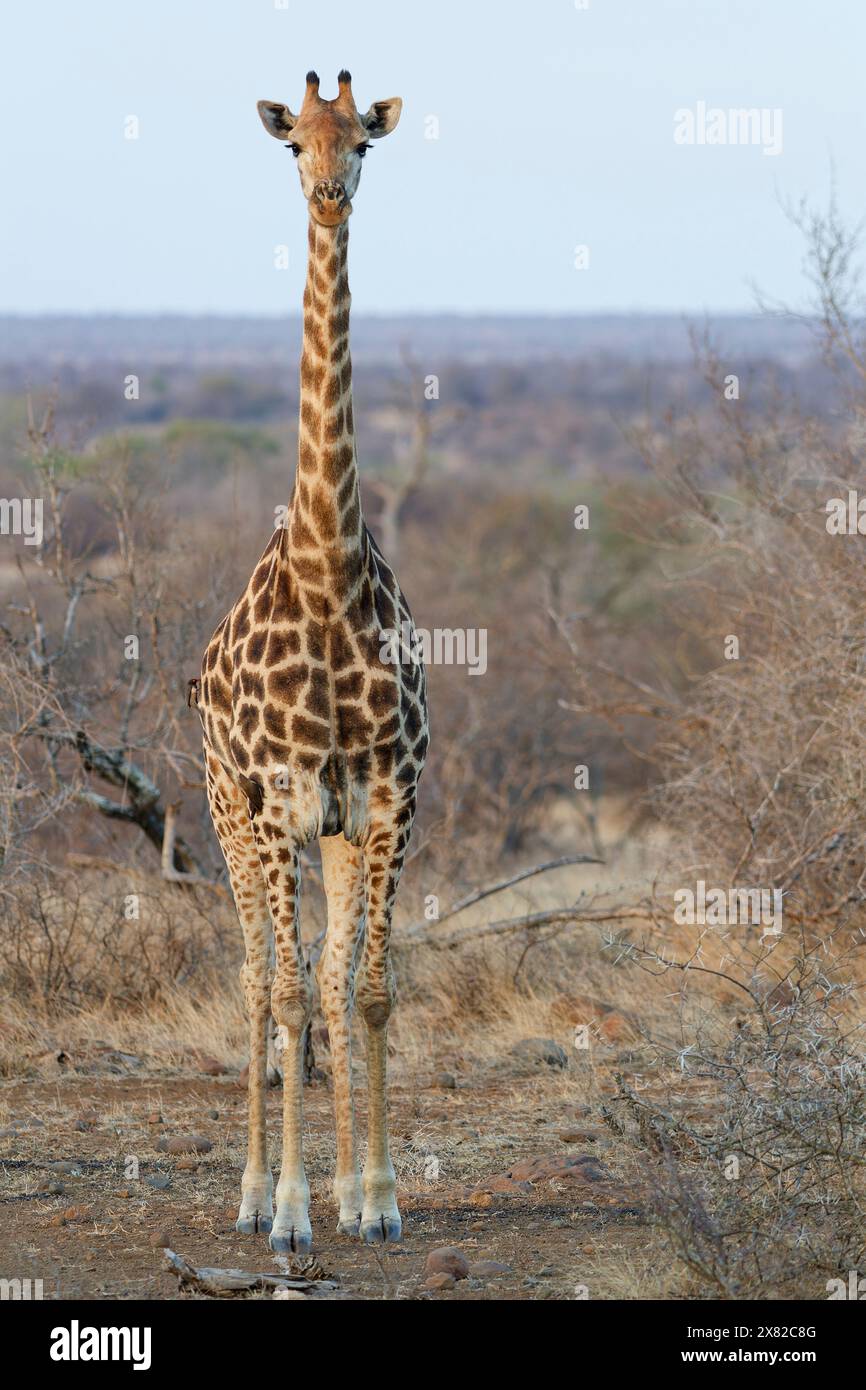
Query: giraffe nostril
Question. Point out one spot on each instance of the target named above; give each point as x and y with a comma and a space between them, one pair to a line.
329, 191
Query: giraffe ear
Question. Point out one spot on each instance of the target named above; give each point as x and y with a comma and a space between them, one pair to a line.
382, 117
276, 118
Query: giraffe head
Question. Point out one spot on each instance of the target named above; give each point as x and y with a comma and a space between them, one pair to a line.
329, 140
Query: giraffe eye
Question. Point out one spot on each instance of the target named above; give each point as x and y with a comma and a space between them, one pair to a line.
295, 149
361, 150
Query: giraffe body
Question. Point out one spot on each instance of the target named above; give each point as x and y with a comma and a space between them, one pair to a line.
310, 734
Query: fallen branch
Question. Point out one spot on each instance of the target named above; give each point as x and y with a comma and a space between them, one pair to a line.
222, 1283
558, 916
169, 857
478, 894
142, 807
104, 866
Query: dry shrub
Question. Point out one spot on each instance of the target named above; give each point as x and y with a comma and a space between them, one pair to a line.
758, 749
762, 1193
115, 941
754, 698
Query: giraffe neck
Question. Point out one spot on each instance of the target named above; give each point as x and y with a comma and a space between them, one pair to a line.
328, 547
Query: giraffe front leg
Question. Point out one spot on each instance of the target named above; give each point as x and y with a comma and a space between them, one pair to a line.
257, 1185
376, 995
291, 1005
228, 809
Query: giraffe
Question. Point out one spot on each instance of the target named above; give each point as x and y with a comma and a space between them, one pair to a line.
309, 732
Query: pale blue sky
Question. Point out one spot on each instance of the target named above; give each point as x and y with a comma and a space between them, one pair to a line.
556, 128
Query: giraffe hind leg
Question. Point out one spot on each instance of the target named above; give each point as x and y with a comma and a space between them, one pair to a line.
343, 875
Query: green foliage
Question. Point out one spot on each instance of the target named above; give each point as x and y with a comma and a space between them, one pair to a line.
188, 448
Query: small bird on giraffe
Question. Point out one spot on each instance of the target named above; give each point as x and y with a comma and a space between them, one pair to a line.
310, 733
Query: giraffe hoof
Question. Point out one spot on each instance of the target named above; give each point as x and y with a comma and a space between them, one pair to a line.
382, 1231
350, 1226
292, 1242
253, 1223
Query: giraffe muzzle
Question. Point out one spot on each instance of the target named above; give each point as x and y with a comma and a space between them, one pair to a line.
329, 204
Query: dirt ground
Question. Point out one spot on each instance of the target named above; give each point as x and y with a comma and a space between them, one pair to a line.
75, 1215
